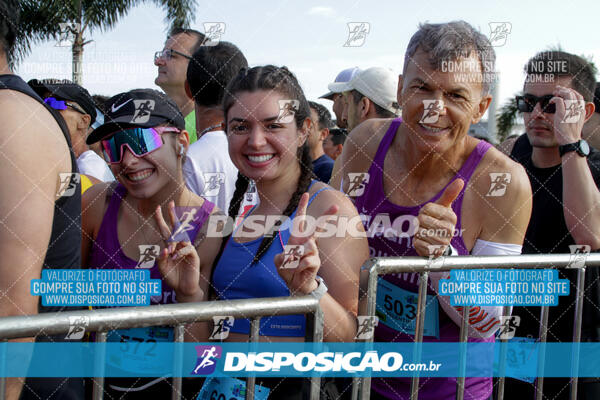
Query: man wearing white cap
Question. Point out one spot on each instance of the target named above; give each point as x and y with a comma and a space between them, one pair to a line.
336, 96
371, 93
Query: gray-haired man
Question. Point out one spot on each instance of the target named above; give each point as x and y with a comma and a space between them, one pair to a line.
426, 170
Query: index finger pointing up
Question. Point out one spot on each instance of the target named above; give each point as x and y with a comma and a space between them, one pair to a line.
301, 213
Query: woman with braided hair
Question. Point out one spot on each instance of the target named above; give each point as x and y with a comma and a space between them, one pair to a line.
271, 150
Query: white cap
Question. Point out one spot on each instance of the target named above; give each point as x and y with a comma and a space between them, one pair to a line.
344, 76
377, 84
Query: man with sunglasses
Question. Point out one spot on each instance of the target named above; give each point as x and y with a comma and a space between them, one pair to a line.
172, 63
564, 172
77, 108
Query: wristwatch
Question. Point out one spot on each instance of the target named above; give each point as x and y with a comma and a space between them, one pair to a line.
581, 147
320, 290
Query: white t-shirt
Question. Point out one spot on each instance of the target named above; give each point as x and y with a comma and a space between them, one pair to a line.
208, 170
90, 163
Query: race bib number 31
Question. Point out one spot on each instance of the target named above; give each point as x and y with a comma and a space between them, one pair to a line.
397, 309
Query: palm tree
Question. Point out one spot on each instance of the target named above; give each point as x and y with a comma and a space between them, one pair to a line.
506, 118
44, 19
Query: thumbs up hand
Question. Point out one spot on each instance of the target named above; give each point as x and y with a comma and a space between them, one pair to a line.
437, 221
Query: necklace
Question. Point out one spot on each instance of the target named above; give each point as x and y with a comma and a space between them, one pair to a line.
209, 129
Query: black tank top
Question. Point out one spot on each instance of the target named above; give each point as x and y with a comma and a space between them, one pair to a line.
64, 248
64, 252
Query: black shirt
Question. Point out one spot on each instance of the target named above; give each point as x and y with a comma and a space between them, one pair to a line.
64, 252
64, 248
548, 233
322, 168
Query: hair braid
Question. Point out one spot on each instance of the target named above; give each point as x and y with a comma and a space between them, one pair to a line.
241, 185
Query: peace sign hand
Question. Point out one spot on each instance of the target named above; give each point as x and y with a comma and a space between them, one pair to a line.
178, 263
299, 263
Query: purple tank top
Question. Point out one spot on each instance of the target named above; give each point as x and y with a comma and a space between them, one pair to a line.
108, 254
372, 203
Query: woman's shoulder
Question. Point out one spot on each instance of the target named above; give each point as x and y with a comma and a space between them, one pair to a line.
202, 202
96, 198
324, 196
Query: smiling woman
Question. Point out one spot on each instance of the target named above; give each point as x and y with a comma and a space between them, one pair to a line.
267, 119
144, 142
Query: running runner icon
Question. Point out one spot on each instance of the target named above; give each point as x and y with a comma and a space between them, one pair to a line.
431, 111
207, 357
148, 255
186, 225
358, 182
292, 255
366, 327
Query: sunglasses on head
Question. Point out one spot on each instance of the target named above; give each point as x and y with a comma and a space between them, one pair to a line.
62, 104
140, 141
526, 103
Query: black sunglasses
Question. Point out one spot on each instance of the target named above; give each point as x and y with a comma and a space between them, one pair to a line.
526, 103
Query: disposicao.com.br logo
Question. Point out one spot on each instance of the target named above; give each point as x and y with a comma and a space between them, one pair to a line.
369, 361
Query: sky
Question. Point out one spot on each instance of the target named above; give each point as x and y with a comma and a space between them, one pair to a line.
309, 36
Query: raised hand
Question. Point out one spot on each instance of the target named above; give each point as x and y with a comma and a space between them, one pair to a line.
178, 262
304, 254
569, 116
437, 221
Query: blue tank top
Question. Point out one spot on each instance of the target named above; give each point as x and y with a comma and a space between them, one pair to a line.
235, 277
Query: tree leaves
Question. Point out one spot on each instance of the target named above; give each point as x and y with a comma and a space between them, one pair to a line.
506, 118
40, 19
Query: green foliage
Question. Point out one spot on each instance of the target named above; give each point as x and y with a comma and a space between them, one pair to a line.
40, 19
506, 118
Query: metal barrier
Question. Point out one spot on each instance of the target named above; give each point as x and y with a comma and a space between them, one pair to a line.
390, 265
174, 315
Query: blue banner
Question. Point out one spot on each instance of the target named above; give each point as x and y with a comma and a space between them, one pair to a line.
497, 287
95, 287
295, 359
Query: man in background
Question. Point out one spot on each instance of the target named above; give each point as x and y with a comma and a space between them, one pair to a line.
78, 109
318, 132
336, 96
370, 94
172, 62
565, 175
334, 144
208, 170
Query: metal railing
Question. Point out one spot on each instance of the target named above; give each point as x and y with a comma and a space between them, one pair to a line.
391, 265
176, 315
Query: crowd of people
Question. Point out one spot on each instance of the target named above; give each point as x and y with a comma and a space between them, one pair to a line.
153, 168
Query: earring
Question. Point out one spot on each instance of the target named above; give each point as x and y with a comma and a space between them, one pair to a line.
181, 150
